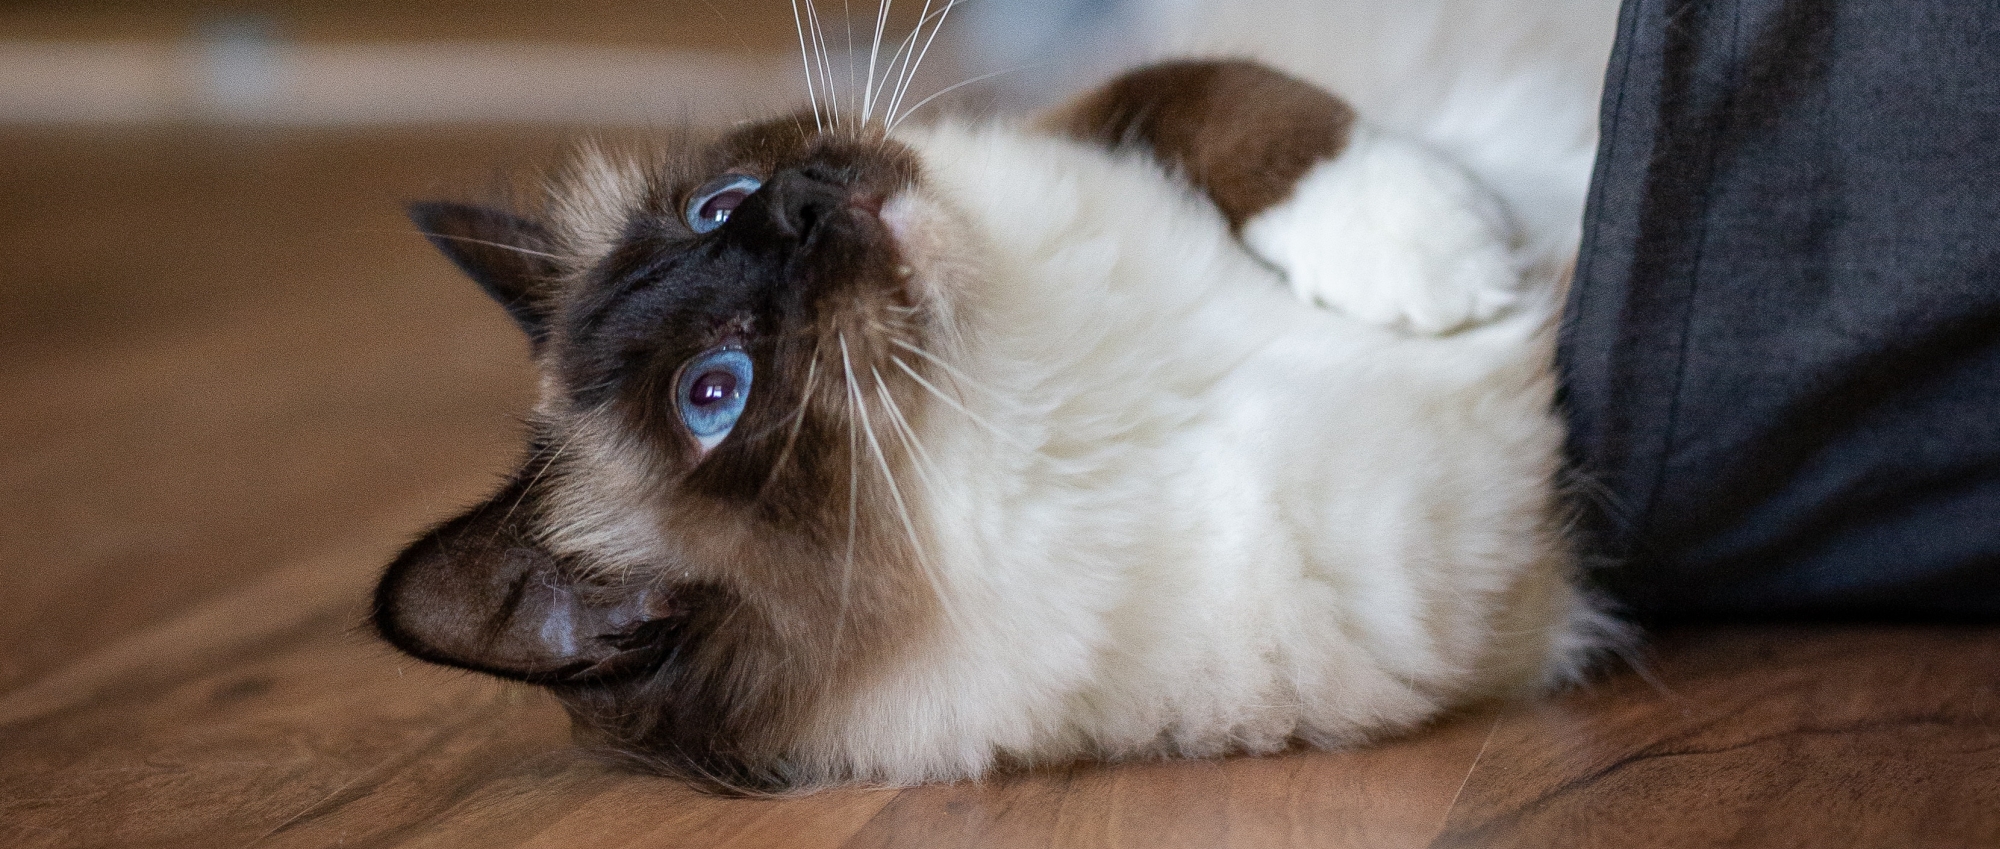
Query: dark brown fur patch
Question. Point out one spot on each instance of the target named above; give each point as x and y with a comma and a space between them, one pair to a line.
1241, 132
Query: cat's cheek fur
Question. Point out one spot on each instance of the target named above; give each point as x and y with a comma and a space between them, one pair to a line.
1394, 235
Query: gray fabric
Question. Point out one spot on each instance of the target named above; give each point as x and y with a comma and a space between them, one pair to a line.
1782, 354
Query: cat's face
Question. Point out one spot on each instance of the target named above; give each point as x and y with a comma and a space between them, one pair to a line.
734, 342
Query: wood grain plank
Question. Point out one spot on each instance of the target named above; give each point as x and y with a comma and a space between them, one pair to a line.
1852, 736
223, 353
1392, 794
264, 717
644, 811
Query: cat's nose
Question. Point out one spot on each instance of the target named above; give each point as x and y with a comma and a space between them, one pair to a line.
796, 201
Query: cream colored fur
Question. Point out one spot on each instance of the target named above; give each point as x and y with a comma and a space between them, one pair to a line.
1171, 509
1183, 512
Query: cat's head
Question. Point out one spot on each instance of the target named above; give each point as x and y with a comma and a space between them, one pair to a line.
704, 541
717, 534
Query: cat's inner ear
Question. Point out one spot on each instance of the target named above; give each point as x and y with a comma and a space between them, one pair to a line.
1239, 131
479, 592
507, 255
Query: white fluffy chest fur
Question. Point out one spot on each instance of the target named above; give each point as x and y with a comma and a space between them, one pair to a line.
1170, 508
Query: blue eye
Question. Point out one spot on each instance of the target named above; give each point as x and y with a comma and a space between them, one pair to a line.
713, 202
711, 392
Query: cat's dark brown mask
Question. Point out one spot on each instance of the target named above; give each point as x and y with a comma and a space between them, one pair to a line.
695, 600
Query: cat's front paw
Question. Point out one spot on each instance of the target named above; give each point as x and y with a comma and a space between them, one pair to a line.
1394, 235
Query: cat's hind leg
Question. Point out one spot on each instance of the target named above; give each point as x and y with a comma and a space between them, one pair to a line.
1361, 222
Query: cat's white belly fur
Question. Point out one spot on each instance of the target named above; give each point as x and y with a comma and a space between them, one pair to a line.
1184, 512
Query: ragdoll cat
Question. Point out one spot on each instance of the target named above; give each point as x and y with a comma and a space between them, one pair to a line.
1194, 417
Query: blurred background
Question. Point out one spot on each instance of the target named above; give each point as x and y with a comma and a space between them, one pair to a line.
594, 62
224, 353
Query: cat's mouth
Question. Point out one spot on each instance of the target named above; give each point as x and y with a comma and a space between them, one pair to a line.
919, 229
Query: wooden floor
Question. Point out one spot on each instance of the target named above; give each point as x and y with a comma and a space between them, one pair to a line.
235, 382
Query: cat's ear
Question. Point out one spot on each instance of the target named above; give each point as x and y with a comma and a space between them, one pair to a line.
480, 592
1241, 132
507, 255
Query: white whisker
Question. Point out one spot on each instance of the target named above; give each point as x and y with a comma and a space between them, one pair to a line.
501, 245
925, 466
895, 489
911, 76
825, 69
847, 20
806, 57
905, 48
853, 494
874, 52
956, 375
949, 89
953, 402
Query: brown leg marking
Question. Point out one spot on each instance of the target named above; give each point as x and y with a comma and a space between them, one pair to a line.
1241, 132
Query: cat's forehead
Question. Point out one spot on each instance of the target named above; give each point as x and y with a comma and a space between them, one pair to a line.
768, 144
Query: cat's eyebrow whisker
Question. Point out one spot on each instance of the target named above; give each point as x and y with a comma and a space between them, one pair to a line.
547, 464
806, 56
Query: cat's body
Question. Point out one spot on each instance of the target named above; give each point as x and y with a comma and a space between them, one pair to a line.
1194, 419
1202, 516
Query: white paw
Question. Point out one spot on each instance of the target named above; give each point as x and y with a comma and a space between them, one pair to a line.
1394, 235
